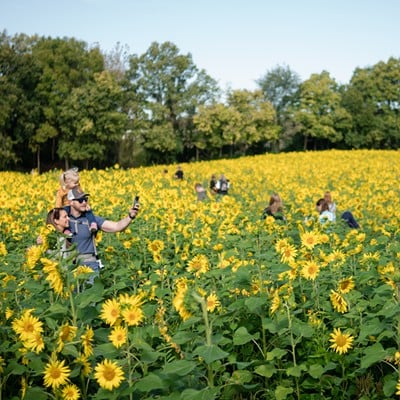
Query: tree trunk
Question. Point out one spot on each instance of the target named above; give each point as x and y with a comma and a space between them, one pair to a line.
38, 159
305, 142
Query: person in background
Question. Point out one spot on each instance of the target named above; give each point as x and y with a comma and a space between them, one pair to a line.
275, 208
324, 214
330, 202
347, 216
213, 184
201, 192
179, 173
80, 227
70, 180
222, 185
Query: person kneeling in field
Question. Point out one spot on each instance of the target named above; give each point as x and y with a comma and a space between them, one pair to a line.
325, 215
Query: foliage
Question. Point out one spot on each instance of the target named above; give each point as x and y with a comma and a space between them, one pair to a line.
373, 100
64, 102
319, 113
206, 299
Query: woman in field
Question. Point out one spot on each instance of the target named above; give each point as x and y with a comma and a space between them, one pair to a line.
275, 208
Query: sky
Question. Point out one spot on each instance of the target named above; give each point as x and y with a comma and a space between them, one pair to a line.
236, 42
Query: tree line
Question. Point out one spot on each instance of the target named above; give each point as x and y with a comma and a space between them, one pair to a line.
64, 102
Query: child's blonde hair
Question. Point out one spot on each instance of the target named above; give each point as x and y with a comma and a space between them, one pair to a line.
70, 175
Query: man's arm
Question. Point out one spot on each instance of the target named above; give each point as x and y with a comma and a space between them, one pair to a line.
113, 227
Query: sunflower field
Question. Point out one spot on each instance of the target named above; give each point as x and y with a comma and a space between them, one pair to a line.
206, 299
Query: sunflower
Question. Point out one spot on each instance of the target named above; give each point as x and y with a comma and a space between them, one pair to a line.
179, 298
133, 316
3, 249
33, 255
212, 302
398, 388
82, 271
56, 373
276, 302
199, 265
118, 336
53, 275
313, 318
281, 244
27, 325
310, 270
309, 240
67, 334
108, 374
35, 343
155, 246
346, 285
135, 300
341, 342
218, 247
85, 365
288, 253
110, 311
70, 392
87, 340
338, 302
337, 257
198, 242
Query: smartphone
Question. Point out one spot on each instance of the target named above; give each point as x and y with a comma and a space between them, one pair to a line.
136, 201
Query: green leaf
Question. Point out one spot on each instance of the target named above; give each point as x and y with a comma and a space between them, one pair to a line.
205, 394
389, 385
71, 350
373, 354
210, 353
57, 309
266, 370
35, 393
276, 353
240, 377
149, 383
370, 328
242, 336
255, 304
281, 392
15, 369
179, 367
296, 371
316, 370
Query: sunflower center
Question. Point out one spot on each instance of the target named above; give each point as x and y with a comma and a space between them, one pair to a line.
109, 374
341, 340
55, 373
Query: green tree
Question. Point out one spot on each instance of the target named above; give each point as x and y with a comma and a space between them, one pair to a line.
256, 121
245, 120
373, 99
319, 113
170, 89
65, 64
93, 122
280, 86
19, 74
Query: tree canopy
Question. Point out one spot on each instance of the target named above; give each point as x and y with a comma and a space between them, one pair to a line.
64, 102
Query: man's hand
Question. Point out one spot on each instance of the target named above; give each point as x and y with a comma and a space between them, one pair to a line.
133, 211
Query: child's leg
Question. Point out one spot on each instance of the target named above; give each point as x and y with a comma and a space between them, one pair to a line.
92, 221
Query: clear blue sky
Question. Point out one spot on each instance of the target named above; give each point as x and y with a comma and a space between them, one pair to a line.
236, 42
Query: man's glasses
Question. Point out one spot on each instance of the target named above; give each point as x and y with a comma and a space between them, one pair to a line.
82, 199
